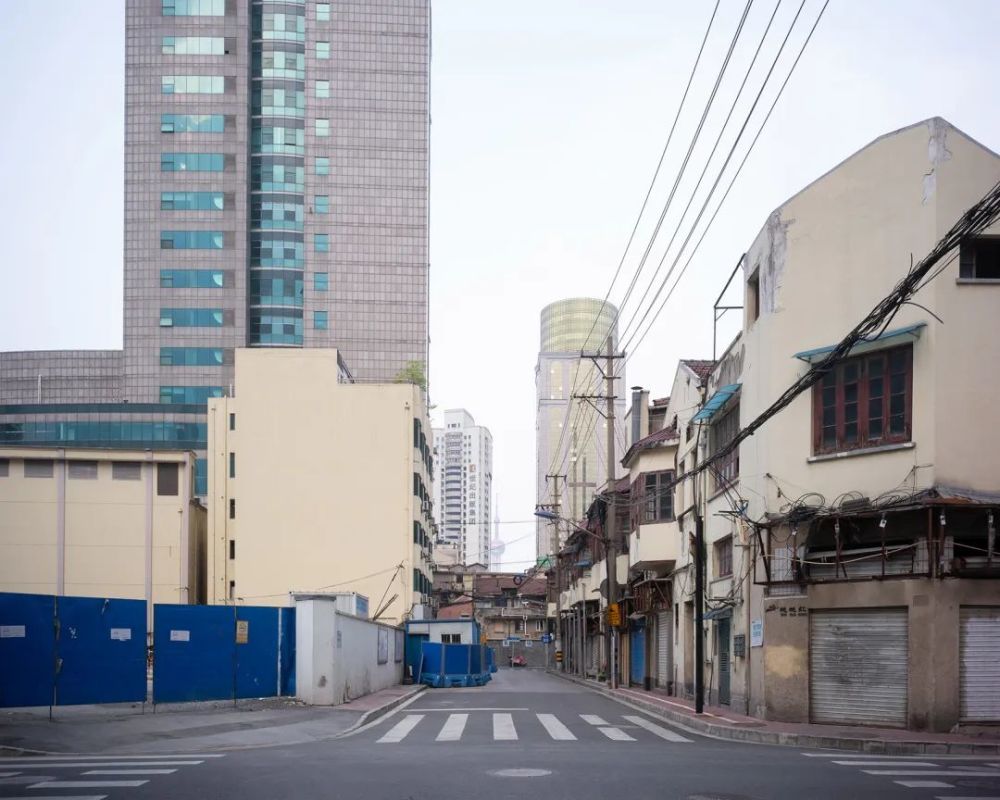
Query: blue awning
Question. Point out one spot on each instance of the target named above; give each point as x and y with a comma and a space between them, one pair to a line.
716, 402
886, 339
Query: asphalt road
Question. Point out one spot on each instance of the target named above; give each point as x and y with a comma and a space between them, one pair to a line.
525, 735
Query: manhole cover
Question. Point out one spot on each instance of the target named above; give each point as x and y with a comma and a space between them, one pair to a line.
519, 773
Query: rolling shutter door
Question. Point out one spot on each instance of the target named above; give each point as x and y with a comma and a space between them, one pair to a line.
663, 649
980, 665
858, 667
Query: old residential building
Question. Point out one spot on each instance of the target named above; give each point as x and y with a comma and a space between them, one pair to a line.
317, 483
101, 523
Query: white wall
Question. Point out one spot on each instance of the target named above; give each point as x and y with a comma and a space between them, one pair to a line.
336, 655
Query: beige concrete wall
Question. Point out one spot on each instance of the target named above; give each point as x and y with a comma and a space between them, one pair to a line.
100, 537
323, 483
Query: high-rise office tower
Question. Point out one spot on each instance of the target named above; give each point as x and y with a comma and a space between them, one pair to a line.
276, 195
570, 433
463, 487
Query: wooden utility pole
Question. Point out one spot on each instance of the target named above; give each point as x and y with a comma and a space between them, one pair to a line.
610, 527
554, 548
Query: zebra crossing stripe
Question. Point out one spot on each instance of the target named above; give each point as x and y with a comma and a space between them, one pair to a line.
503, 728
555, 728
453, 728
616, 734
657, 730
399, 731
593, 719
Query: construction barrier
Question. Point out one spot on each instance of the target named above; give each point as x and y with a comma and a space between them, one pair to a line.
447, 665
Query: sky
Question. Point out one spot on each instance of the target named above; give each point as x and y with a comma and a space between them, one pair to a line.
547, 123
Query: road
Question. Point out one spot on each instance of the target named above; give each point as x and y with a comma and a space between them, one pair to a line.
525, 735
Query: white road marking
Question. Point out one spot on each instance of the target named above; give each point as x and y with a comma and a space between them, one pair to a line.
616, 734
105, 757
8, 774
885, 763
453, 728
130, 772
78, 764
658, 730
951, 773
939, 797
71, 797
86, 784
555, 728
472, 709
399, 731
593, 719
925, 784
503, 727
884, 756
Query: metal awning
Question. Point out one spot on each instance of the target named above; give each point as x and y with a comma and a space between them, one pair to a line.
716, 402
883, 340
718, 613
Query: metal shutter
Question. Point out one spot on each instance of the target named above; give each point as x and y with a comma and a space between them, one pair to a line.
858, 667
980, 664
663, 631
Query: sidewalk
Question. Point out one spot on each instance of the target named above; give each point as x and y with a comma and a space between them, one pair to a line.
188, 727
723, 723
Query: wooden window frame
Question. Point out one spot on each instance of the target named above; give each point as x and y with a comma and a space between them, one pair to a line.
728, 469
659, 505
839, 380
723, 546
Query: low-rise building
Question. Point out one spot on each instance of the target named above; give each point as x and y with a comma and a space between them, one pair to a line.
319, 483
101, 523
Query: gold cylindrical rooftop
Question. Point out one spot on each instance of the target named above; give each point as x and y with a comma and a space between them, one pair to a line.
568, 325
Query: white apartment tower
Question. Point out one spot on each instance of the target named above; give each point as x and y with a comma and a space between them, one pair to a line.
463, 486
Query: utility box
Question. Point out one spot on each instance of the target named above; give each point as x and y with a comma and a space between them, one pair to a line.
344, 602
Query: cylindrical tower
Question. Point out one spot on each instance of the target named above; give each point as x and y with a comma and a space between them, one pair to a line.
577, 323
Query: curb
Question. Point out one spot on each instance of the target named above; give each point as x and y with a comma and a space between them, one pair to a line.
750, 735
381, 711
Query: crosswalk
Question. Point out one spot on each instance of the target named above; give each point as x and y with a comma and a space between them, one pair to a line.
426, 727
948, 777
49, 777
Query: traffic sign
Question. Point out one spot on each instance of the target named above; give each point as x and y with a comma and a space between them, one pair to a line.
559, 655
614, 615
546, 638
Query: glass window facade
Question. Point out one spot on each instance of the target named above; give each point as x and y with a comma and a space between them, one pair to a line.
322, 242
192, 240
322, 127
187, 435
321, 205
274, 101
193, 84
192, 279
322, 12
276, 212
322, 89
276, 288
194, 8
277, 175
321, 281
279, 64
191, 356
189, 394
322, 49
320, 320
192, 123
192, 201
277, 328
192, 162
278, 139
191, 317
193, 46
278, 26
322, 165
276, 249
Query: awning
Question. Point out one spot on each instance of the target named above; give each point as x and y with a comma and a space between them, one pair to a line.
716, 402
718, 613
887, 339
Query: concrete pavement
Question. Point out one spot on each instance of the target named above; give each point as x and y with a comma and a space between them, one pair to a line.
526, 734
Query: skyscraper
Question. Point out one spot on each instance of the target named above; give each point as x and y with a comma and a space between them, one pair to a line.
276, 195
571, 434
463, 486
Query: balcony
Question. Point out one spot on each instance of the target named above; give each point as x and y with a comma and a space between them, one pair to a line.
655, 546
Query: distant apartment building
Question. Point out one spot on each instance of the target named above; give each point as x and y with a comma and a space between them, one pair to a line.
318, 484
570, 435
276, 196
464, 487
101, 523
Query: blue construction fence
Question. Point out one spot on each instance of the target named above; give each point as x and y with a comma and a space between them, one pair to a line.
57, 650
444, 665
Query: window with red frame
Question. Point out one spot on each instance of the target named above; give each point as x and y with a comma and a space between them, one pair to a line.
865, 401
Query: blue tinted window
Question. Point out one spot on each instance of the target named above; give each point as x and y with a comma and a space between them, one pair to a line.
289, 26
279, 64
322, 242
192, 201
187, 435
285, 289
201, 476
322, 12
192, 240
273, 175
193, 46
322, 204
191, 279
320, 320
321, 281
280, 328
193, 84
277, 249
189, 394
322, 165
194, 8
322, 49
274, 139
191, 356
192, 162
278, 102
192, 123
322, 127
191, 317
276, 214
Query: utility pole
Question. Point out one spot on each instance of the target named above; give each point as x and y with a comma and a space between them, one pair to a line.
699, 592
612, 549
554, 548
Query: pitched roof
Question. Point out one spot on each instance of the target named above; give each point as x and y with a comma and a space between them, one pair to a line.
665, 434
699, 367
660, 401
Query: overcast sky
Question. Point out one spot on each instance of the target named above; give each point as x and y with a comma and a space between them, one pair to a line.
548, 120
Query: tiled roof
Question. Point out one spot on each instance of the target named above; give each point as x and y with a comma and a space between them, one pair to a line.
663, 435
700, 368
660, 402
487, 585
